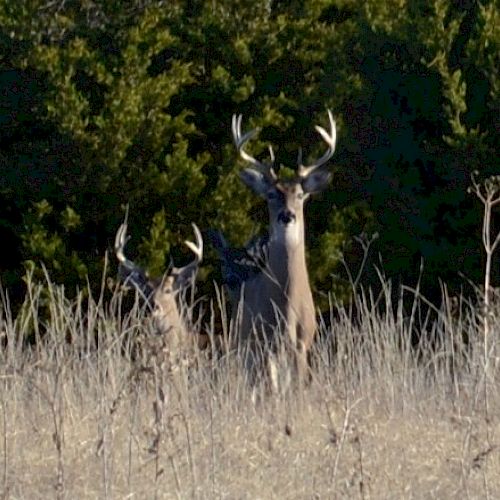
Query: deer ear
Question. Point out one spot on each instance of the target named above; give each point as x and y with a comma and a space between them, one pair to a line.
316, 181
256, 181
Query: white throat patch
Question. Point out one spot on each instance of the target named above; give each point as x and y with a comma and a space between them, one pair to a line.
288, 235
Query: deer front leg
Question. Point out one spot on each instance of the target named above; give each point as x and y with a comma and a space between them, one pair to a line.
301, 361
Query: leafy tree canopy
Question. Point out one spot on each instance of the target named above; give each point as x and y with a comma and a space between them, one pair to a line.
114, 104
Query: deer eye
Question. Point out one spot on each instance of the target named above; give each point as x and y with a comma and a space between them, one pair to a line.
300, 196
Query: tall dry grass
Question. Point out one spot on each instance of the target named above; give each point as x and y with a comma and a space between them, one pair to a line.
400, 405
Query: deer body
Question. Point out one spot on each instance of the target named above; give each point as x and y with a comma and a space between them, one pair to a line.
280, 297
275, 307
165, 296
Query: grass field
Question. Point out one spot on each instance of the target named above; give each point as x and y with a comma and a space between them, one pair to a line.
400, 406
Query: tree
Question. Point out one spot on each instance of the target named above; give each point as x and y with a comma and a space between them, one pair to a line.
113, 104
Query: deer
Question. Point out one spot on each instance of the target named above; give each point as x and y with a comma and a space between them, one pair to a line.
270, 292
165, 296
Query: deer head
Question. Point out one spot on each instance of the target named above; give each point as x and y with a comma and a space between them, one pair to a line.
285, 198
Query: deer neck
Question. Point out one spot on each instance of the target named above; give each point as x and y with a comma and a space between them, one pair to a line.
287, 258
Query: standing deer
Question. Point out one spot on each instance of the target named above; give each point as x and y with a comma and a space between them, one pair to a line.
275, 303
165, 296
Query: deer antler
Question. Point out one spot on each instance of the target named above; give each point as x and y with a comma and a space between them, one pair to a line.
196, 248
130, 272
121, 240
330, 138
186, 273
240, 140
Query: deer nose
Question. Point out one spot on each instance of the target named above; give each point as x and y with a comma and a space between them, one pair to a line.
286, 217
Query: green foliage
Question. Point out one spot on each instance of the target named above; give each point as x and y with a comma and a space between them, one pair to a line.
335, 250
45, 248
112, 104
429, 110
156, 246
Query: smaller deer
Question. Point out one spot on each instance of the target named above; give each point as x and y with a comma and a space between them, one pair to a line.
165, 296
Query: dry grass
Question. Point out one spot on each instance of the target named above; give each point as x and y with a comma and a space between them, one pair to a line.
84, 414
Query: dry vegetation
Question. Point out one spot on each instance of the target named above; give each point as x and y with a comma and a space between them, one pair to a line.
86, 413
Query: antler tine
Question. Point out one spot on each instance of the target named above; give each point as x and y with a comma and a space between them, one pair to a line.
271, 155
241, 139
186, 273
121, 240
196, 248
330, 139
129, 272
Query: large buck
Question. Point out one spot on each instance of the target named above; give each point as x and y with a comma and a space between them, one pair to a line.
165, 296
271, 294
